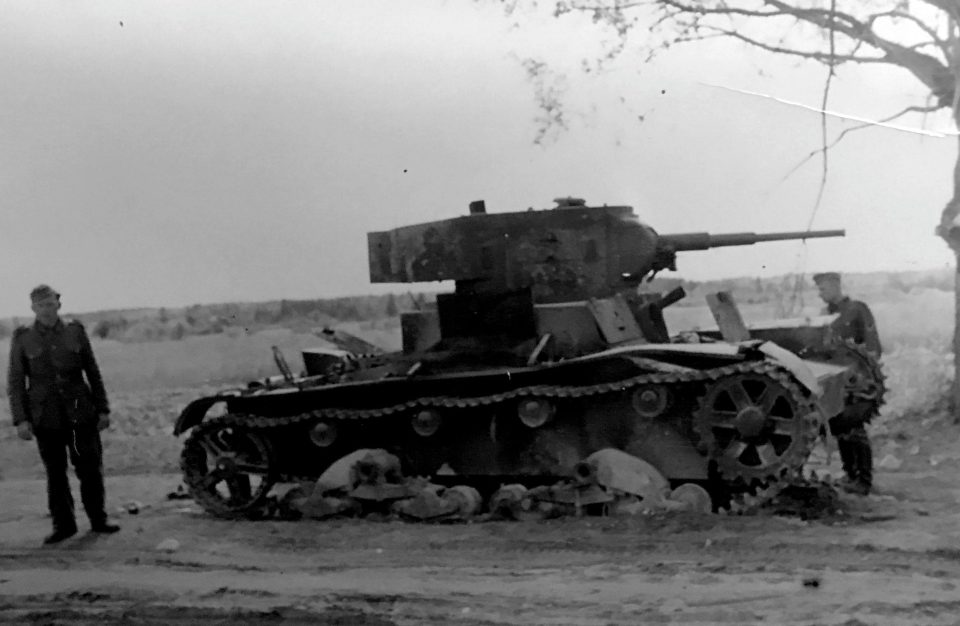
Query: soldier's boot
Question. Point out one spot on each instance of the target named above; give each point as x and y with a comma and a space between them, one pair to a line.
862, 457
87, 456
59, 534
865, 467
848, 461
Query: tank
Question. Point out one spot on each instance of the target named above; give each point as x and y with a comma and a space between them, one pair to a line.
544, 354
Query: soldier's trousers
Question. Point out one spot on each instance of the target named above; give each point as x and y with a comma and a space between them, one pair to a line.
853, 443
86, 453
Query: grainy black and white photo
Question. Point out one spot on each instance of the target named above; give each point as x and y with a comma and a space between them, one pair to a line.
479, 312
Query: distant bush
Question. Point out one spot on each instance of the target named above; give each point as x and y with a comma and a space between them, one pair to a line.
235, 319
391, 306
940, 282
110, 328
896, 282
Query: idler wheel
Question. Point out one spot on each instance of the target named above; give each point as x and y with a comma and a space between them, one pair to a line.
228, 468
426, 422
535, 412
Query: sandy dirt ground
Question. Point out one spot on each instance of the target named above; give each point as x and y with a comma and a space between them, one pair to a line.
892, 558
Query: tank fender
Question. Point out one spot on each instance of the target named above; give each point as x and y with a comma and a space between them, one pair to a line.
193, 414
795, 364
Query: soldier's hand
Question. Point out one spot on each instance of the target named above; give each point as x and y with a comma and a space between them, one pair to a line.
103, 422
25, 431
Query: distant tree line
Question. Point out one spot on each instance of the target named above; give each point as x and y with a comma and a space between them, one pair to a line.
791, 292
788, 293
240, 317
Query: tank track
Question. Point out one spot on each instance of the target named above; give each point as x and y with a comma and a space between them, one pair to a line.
751, 500
755, 489
820, 498
540, 391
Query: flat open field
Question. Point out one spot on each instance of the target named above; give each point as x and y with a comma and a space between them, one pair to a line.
892, 558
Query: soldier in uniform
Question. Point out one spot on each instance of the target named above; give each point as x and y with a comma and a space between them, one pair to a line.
50, 399
854, 323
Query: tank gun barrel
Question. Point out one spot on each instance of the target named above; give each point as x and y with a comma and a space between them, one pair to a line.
705, 241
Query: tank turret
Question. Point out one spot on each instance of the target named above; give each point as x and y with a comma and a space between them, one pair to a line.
571, 252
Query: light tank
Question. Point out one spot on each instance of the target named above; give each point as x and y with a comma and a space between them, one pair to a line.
544, 354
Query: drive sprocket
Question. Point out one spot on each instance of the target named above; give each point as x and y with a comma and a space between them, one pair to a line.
756, 426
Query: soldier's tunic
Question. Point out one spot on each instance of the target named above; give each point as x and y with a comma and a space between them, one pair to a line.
46, 386
855, 322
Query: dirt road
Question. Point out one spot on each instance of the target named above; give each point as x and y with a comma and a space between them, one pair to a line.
894, 559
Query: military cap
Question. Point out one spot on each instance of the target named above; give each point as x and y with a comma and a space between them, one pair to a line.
826, 276
42, 291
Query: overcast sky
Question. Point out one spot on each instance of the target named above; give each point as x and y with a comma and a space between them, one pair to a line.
170, 153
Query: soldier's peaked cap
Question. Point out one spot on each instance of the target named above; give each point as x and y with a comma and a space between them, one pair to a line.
42, 291
826, 276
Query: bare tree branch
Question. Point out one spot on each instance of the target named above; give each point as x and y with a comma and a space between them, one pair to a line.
681, 7
910, 109
823, 121
950, 7
931, 71
922, 45
928, 70
783, 10
935, 38
548, 95
807, 54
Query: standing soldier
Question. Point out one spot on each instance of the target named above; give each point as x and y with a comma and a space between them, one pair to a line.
854, 323
50, 399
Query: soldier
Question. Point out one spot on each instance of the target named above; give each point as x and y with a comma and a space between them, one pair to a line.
854, 323
49, 399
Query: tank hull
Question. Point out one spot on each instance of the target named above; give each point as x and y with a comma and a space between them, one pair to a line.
706, 412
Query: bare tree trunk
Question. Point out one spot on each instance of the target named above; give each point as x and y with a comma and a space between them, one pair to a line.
949, 230
955, 387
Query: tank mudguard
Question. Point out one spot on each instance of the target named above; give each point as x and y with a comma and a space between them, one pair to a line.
194, 413
797, 366
825, 381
